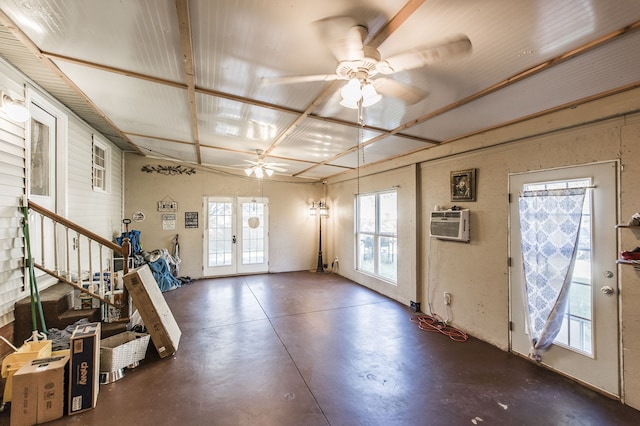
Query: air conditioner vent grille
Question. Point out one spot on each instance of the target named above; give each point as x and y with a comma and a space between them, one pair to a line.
450, 225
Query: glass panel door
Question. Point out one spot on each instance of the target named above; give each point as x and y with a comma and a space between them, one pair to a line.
42, 189
587, 347
236, 236
253, 246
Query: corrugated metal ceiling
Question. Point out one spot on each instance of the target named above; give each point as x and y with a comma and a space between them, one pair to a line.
185, 79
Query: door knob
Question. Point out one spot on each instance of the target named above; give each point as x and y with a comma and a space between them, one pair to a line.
608, 290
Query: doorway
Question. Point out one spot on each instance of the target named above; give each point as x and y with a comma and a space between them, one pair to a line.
587, 346
46, 148
236, 236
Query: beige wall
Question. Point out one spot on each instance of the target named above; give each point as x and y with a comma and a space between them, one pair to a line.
476, 274
341, 227
478, 279
630, 278
293, 242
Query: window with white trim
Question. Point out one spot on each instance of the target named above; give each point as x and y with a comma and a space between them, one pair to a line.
100, 166
377, 235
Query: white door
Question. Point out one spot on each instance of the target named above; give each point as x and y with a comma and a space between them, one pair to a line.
42, 184
236, 236
587, 347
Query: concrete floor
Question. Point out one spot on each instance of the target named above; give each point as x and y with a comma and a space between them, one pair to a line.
315, 349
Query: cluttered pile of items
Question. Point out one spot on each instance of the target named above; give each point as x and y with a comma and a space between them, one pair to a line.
164, 265
47, 379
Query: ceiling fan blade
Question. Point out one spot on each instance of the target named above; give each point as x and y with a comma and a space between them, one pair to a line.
421, 56
331, 105
389, 87
275, 169
343, 36
299, 79
270, 164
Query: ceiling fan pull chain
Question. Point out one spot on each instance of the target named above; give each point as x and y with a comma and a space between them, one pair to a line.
361, 129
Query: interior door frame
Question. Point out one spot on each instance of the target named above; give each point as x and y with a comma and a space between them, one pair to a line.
237, 266
553, 360
61, 149
58, 173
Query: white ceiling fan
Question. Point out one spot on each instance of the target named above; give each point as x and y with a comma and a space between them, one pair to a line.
359, 63
260, 167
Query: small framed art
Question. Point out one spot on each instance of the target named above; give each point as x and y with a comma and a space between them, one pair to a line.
463, 185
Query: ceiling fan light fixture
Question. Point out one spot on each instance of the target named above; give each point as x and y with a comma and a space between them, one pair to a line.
269, 172
248, 171
259, 172
351, 91
369, 95
349, 104
356, 90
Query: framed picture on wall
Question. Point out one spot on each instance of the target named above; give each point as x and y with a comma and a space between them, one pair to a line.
463, 185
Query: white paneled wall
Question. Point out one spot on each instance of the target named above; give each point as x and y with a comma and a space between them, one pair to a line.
95, 210
98, 211
12, 186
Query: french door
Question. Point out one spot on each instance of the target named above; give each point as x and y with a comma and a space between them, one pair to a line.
236, 236
587, 347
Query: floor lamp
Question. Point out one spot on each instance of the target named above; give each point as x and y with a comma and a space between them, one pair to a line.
321, 210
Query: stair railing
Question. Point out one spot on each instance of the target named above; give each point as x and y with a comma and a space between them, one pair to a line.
90, 270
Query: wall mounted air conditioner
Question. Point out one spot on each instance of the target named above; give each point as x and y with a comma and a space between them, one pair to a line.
450, 225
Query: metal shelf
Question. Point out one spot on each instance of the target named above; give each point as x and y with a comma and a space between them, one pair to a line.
634, 263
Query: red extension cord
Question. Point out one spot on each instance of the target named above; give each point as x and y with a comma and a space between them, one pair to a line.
436, 324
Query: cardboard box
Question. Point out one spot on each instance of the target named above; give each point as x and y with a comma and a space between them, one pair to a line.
153, 309
83, 300
38, 391
112, 313
84, 368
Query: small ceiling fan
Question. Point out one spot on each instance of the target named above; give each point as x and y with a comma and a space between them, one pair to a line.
260, 167
359, 63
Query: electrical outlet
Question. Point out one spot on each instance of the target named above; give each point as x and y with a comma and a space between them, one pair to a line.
447, 298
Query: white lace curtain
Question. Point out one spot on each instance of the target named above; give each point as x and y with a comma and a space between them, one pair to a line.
549, 227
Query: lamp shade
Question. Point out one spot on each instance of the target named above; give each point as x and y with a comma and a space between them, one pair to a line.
369, 95
351, 91
349, 104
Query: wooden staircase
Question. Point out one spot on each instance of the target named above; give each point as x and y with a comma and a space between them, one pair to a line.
77, 252
58, 313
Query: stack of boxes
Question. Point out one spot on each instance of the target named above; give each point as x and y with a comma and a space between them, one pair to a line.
105, 285
38, 388
95, 285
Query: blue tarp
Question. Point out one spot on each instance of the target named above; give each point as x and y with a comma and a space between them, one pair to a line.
162, 273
